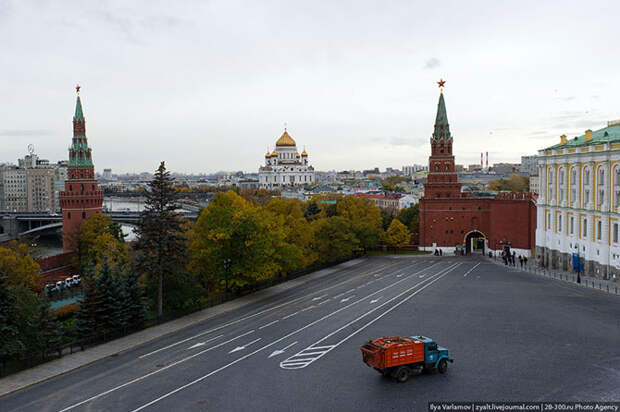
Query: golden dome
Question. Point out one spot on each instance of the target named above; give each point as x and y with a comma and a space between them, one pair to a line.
304, 153
274, 154
267, 154
297, 155
285, 140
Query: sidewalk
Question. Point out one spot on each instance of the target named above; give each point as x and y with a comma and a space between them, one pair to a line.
607, 286
76, 360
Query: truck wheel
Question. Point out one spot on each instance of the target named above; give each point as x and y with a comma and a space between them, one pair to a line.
402, 374
443, 366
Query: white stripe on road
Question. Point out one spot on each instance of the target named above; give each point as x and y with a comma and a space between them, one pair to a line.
470, 270
205, 342
269, 324
291, 315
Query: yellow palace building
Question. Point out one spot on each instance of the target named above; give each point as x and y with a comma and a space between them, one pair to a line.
578, 208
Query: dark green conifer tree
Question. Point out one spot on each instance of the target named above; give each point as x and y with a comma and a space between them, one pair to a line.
160, 243
10, 345
87, 317
133, 305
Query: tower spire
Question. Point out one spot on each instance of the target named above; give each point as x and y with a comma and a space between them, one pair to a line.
442, 127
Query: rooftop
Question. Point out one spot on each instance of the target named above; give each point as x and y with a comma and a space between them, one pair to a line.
611, 133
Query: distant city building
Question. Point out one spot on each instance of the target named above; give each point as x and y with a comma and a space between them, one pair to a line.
107, 174
529, 165
411, 170
407, 201
474, 168
579, 203
30, 187
506, 168
459, 168
285, 166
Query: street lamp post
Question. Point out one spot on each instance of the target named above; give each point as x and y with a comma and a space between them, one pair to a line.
578, 264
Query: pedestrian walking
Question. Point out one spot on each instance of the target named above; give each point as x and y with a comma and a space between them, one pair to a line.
514, 255
521, 261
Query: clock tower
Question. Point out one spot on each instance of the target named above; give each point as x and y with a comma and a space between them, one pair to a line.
81, 197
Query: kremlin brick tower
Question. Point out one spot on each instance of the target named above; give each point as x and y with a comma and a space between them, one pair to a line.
81, 197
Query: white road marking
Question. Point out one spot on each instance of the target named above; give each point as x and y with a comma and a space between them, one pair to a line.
360, 286
318, 298
205, 342
235, 361
347, 299
238, 348
261, 312
325, 301
399, 275
376, 300
294, 362
308, 308
269, 324
92, 398
291, 315
340, 294
349, 291
469, 271
279, 351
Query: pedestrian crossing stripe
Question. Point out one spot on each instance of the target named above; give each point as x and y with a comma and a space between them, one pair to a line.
305, 357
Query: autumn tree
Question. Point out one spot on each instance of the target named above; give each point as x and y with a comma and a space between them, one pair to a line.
97, 240
161, 245
365, 219
298, 232
234, 244
20, 268
515, 183
334, 238
397, 234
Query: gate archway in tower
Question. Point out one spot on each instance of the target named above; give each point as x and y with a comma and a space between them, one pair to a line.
474, 242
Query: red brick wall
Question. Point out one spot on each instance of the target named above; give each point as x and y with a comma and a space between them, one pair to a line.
507, 218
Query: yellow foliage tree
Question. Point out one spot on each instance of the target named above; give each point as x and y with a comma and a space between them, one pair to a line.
365, 219
397, 234
99, 239
19, 267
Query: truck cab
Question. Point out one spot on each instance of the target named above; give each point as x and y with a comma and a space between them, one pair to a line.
434, 356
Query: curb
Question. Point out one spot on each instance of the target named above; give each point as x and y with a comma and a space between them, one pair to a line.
7, 388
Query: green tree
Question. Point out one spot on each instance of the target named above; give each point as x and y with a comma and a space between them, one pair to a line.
109, 317
386, 219
515, 183
10, 344
334, 238
87, 317
410, 217
397, 234
234, 243
161, 245
311, 210
365, 219
133, 307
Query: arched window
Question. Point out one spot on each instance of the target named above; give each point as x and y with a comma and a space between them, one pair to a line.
68, 215
83, 215
601, 187
586, 187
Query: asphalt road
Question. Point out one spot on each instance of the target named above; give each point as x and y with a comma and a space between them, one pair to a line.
514, 336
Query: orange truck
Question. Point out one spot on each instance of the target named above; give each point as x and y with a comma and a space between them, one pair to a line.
401, 357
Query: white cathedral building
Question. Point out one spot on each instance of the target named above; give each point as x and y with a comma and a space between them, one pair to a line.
285, 166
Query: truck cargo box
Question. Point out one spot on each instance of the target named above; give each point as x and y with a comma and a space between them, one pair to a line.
387, 352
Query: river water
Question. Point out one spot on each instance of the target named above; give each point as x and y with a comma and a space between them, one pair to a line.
50, 245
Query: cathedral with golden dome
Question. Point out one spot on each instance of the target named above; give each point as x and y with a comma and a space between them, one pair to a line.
285, 166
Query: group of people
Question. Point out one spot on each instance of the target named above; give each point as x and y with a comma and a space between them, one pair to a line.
511, 259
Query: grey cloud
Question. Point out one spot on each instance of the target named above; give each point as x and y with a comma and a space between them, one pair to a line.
432, 63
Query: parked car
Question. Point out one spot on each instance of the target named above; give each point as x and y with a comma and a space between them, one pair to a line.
76, 280
69, 282
60, 285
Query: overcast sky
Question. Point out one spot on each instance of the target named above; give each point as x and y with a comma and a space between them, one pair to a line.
207, 85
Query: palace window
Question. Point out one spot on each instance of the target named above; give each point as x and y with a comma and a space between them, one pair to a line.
548, 216
599, 229
561, 185
572, 225
601, 186
559, 223
584, 229
573, 185
615, 238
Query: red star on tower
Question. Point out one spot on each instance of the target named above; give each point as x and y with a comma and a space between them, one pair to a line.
441, 82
